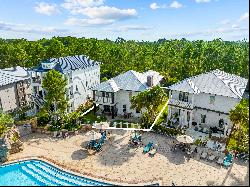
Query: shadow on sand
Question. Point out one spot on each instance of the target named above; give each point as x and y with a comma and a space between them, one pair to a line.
79, 154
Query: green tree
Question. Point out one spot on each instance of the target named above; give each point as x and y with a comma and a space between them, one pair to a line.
5, 122
149, 100
54, 84
240, 119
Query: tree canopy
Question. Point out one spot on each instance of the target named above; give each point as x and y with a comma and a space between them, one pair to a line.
5, 121
149, 100
240, 119
55, 85
174, 59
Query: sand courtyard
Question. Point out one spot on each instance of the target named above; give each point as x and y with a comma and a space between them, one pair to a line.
119, 163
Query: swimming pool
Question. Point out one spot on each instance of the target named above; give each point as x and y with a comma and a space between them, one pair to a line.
40, 173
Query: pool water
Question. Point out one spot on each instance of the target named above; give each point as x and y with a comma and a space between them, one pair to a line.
40, 173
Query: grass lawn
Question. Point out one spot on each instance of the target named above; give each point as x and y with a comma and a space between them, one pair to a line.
91, 118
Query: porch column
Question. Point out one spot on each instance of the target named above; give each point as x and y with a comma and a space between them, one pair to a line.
94, 108
191, 119
112, 112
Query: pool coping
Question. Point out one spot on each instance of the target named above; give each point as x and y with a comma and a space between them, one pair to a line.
62, 167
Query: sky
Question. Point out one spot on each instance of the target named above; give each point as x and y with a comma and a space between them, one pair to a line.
147, 20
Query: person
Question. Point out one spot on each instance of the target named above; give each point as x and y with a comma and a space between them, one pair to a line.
173, 183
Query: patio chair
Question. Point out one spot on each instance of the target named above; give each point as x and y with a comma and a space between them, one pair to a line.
204, 154
55, 134
220, 159
211, 156
60, 135
147, 148
228, 160
152, 152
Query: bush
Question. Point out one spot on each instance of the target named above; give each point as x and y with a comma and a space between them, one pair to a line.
55, 126
168, 131
198, 142
43, 119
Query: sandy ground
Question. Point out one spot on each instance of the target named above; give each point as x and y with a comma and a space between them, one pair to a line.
118, 162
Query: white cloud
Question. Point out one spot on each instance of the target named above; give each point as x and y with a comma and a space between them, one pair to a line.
88, 22
225, 22
244, 17
202, 1
79, 4
106, 12
234, 26
46, 8
129, 28
211, 32
22, 28
155, 6
175, 4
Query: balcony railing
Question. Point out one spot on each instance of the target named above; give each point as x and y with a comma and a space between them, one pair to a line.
179, 103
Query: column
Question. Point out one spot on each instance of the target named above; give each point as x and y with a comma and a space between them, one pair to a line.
191, 119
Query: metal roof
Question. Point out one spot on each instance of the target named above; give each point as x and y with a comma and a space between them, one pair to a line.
215, 82
67, 64
130, 80
11, 75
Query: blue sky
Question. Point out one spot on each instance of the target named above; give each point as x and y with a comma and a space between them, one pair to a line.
131, 19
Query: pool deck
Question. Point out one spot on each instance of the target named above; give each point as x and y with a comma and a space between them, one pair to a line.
119, 164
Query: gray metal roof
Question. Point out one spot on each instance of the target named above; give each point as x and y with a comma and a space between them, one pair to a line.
215, 82
68, 63
130, 80
11, 75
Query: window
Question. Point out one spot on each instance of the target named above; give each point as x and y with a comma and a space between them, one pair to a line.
221, 123
103, 94
76, 88
203, 118
86, 83
183, 96
212, 99
124, 108
107, 94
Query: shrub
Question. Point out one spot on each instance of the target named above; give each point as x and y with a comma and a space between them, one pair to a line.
55, 126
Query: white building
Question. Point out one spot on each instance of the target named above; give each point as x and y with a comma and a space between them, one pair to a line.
113, 96
205, 100
15, 89
81, 72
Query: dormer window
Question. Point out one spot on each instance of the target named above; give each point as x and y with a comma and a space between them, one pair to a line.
48, 65
212, 99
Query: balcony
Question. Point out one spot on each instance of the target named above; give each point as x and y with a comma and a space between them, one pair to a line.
179, 103
36, 80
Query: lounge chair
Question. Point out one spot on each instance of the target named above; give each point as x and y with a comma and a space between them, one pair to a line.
220, 159
203, 154
152, 152
147, 148
60, 135
55, 134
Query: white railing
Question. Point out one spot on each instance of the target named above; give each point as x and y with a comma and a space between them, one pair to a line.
179, 103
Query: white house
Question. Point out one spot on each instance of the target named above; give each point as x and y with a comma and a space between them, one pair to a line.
81, 72
113, 96
205, 100
15, 90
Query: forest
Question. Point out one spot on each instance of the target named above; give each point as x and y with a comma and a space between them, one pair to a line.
174, 59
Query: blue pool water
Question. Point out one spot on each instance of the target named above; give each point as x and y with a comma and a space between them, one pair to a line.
39, 173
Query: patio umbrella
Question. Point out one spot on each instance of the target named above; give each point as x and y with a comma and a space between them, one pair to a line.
185, 139
102, 125
92, 135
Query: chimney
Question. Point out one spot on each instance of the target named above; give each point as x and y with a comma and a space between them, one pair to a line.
150, 80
